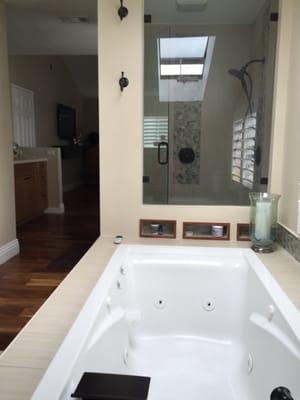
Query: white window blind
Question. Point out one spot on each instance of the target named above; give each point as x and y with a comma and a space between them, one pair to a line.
243, 151
155, 130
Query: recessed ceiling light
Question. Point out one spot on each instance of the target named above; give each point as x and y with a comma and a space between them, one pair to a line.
75, 19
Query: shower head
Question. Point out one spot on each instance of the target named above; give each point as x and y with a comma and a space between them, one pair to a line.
245, 78
239, 74
254, 61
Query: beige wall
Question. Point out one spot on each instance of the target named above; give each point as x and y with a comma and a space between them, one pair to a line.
121, 131
7, 197
121, 117
285, 161
52, 83
290, 188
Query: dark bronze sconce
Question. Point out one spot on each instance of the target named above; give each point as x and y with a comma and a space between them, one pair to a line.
123, 11
123, 82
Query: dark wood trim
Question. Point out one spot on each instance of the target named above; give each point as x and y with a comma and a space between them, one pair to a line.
158, 221
226, 225
239, 236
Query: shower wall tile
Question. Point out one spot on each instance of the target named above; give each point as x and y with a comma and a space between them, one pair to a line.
288, 241
187, 128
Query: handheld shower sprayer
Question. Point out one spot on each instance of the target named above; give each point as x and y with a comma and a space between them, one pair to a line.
243, 75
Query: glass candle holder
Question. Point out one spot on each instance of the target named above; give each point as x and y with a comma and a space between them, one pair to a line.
263, 220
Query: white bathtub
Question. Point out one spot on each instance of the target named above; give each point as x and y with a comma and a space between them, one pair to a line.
203, 323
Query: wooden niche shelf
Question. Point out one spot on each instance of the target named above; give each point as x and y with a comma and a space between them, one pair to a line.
243, 233
157, 228
206, 230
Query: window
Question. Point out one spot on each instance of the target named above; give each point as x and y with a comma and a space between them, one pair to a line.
243, 151
155, 130
182, 57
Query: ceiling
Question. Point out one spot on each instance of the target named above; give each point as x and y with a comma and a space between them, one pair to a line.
217, 12
34, 27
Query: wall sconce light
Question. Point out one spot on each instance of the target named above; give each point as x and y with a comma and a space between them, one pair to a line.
123, 82
123, 11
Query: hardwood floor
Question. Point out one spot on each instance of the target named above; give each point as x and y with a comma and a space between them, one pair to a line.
50, 247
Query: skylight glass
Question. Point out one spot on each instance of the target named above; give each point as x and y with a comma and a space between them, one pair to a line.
182, 57
181, 69
192, 69
183, 47
170, 69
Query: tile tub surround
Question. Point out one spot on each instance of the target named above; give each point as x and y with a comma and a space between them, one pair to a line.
29, 355
187, 128
288, 241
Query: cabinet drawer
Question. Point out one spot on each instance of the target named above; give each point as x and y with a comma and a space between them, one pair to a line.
43, 168
31, 190
24, 170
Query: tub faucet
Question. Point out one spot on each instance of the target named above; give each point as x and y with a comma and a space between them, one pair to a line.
281, 393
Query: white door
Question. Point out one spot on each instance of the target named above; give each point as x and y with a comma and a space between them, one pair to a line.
23, 116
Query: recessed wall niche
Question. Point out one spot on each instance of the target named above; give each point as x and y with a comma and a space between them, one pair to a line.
157, 228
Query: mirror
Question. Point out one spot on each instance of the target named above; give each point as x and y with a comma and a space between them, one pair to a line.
208, 93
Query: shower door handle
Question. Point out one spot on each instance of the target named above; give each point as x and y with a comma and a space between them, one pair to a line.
159, 158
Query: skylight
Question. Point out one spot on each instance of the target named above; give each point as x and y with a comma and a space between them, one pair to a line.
181, 69
182, 57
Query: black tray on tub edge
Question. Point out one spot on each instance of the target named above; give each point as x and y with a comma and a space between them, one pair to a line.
98, 386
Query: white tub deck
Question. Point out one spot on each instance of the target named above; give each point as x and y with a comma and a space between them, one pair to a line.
27, 359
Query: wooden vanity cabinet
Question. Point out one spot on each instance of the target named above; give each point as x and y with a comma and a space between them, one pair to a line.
30, 190
42, 186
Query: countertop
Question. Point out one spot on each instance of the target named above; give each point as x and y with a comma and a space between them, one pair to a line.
25, 361
31, 160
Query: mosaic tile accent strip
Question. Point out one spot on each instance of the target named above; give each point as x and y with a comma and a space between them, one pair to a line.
288, 241
187, 128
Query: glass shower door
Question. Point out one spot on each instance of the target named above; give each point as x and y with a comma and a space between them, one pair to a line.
156, 124
156, 160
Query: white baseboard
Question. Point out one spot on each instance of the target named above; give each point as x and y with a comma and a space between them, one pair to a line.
56, 210
72, 186
9, 250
